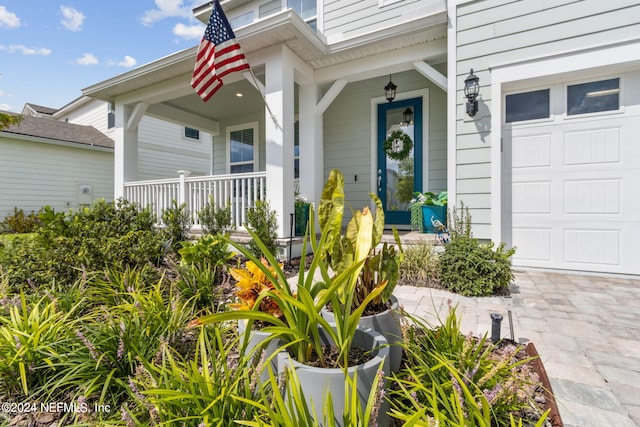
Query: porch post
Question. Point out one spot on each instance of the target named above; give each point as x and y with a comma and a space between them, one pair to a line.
311, 144
279, 136
125, 156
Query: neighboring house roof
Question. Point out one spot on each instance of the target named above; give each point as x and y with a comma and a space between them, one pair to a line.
38, 109
59, 131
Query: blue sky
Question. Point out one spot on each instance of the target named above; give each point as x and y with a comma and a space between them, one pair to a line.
51, 50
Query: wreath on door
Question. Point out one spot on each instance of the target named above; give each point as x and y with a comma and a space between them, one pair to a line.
398, 145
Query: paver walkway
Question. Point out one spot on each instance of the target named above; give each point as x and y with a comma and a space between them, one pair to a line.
586, 329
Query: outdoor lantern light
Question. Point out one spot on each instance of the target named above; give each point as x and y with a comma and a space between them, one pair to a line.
407, 116
390, 91
471, 90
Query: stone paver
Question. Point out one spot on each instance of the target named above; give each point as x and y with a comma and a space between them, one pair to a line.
585, 327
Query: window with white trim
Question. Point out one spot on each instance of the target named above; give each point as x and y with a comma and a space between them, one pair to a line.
307, 9
592, 97
243, 148
190, 133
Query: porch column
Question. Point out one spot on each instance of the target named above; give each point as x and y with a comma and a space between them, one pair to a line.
311, 144
125, 156
279, 136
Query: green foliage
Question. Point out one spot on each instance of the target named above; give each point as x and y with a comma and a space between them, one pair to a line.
210, 387
215, 219
7, 120
420, 264
177, 223
92, 238
363, 234
262, 220
34, 338
208, 250
453, 380
470, 268
19, 222
114, 341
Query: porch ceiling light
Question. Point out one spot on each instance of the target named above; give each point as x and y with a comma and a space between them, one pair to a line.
471, 91
390, 91
407, 116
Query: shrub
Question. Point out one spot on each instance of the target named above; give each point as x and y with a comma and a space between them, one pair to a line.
420, 264
453, 380
18, 222
470, 268
177, 223
262, 220
215, 219
90, 239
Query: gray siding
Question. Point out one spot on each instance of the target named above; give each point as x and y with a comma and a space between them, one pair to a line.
497, 32
163, 150
346, 19
34, 174
347, 134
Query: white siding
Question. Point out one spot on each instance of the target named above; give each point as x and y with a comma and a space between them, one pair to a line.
497, 32
36, 174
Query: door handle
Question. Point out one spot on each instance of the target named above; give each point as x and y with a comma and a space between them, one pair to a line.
379, 180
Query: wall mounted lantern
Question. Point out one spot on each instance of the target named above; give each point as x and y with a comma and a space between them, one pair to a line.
390, 91
407, 116
471, 91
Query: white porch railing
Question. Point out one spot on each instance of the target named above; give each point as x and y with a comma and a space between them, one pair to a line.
240, 191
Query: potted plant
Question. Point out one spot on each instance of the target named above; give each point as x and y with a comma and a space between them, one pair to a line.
429, 211
301, 210
380, 269
298, 326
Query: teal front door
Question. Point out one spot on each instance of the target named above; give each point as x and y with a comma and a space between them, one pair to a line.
399, 172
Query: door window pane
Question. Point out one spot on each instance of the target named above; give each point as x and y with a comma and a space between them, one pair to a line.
527, 106
592, 97
400, 173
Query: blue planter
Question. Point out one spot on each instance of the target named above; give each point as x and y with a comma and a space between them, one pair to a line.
430, 214
301, 218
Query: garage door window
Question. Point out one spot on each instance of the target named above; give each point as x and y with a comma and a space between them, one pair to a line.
527, 106
603, 95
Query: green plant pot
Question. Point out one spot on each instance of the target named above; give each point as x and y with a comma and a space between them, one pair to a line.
301, 218
431, 214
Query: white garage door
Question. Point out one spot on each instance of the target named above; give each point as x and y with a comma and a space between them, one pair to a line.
571, 175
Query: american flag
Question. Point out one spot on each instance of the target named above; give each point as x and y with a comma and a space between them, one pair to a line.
218, 55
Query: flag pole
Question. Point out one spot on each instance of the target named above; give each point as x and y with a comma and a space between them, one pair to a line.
257, 86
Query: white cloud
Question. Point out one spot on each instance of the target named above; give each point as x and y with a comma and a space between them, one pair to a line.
87, 59
6, 107
166, 9
188, 31
127, 62
41, 51
72, 19
8, 19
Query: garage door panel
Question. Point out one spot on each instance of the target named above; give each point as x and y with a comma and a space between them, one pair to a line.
532, 243
592, 146
592, 246
531, 151
532, 197
598, 196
